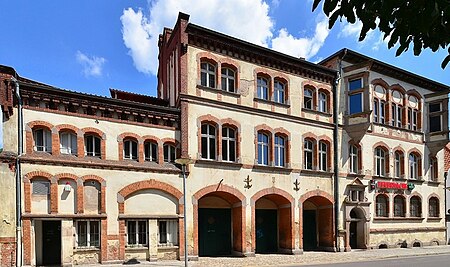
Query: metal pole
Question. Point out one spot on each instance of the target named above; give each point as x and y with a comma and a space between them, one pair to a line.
184, 217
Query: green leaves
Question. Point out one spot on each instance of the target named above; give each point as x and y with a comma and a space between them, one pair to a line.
424, 23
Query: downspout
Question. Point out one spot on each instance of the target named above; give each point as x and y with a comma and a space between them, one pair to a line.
19, 176
336, 151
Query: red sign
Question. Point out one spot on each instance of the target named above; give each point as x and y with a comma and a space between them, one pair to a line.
392, 185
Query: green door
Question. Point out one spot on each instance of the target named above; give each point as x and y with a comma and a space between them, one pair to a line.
266, 231
309, 230
214, 232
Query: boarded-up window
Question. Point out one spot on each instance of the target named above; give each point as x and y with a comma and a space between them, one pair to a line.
92, 196
41, 188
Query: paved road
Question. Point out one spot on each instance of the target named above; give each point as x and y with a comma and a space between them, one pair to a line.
427, 261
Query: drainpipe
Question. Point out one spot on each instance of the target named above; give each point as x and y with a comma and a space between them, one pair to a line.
19, 176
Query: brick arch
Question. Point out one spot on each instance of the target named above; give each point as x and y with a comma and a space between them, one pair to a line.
150, 184
63, 127
35, 174
398, 87
263, 127
380, 81
169, 140
93, 177
309, 135
96, 131
219, 188
125, 135
282, 131
208, 119
272, 191
309, 83
207, 56
229, 63
151, 138
415, 151
398, 148
415, 93
40, 124
231, 122
382, 145
314, 193
267, 73
69, 176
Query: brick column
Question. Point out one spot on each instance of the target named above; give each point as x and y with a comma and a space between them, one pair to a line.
103, 196
55, 142
140, 151
80, 196
27, 196
54, 195
26, 234
122, 240
80, 144
104, 241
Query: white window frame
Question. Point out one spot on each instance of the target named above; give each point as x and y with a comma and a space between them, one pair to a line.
279, 92
71, 147
280, 151
308, 154
264, 148
380, 162
210, 138
354, 161
171, 233
129, 143
263, 89
137, 233
323, 164
308, 98
396, 110
210, 73
88, 233
397, 164
148, 155
228, 141
90, 151
228, 78
46, 140
171, 152
379, 110
323, 98
413, 160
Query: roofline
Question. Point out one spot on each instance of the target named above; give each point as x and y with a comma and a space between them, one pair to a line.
261, 48
344, 51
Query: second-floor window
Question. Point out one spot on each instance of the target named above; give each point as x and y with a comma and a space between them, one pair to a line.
130, 149
433, 207
354, 161
415, 207
323, 154
150, 151
263, 88
323, 102
412, 119
228, 144
280, 151
169, 153
68, 143
434, 172
42, 140
398, 164
413, 166
380, 162
399, 206
263, 149
308, 154
228, 80
308, 99
92, 146
355, 96
378, 111
279, 92
435, 117
208, 141
208, 74
396, 115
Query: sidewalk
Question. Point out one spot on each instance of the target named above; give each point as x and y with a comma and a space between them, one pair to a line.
305, 258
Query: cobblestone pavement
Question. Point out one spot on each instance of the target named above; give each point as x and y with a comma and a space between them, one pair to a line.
305, 258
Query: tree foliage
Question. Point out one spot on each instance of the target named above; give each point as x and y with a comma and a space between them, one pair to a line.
424, 23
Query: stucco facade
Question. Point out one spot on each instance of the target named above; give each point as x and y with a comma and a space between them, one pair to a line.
98, 173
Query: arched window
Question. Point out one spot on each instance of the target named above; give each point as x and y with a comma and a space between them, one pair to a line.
433, 207
169, 153
397, 109
399, 164
151, 151
130, 149
382, 206
279, 92
280, 151
263, 148
413, 112
415, 207
380, 162
208, 74
92, 145
68, 143
228, 80
208, 141
323, 99
308, 154
379, 108
323, 154
308, 99
42, 140
354, 159
414, 166
228, 144
434, 173
399, 206
263, 88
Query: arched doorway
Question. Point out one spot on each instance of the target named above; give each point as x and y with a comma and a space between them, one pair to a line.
220, 220
357, 228
317, 219
273, 221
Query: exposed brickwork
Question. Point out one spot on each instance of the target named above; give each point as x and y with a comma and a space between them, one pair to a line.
8, 251
447, 157
104, 241
26, 241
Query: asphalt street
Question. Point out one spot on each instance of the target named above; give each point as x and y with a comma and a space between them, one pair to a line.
428, 261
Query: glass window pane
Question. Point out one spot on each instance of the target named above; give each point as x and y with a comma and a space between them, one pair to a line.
355, 104
82, 233
355, 84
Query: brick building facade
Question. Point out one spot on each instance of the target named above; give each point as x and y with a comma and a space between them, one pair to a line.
274, 158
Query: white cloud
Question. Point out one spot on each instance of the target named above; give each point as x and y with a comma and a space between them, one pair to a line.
351, 29
374, 38
92, 66
302, 47
244, 19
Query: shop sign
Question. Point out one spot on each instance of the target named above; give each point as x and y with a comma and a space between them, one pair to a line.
391, 185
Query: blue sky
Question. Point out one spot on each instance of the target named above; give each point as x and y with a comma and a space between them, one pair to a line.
91, 46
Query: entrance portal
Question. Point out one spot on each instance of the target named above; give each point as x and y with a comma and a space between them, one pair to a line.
266, 231
51, 242
317, 219
214, 232
357, 229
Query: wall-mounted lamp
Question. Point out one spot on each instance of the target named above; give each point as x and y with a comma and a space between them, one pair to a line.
67, 187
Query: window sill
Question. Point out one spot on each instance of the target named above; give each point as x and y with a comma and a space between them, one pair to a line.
218, 163
416, 181
285, 105
434, 183
326, 114
418, 131
317, 172
135, 247
355, 175
272, 168
434, 219
217, 90
86, 249
398, 218
162, 247
358, 114
357, 203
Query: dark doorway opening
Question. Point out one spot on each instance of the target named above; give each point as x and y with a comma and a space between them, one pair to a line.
51, 242
214, 232
309, 230
353, 235
266, 231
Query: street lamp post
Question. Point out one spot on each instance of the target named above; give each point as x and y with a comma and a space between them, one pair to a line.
183, 162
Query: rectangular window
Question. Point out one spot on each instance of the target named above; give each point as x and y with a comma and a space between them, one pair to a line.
151, 151
263, 149
355, 84
168, 233
137, 233
41, 188
92, 146
263, 88
228, 144
169, 153
355, 103
435, 117
42, 140
88, 234
68, 143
